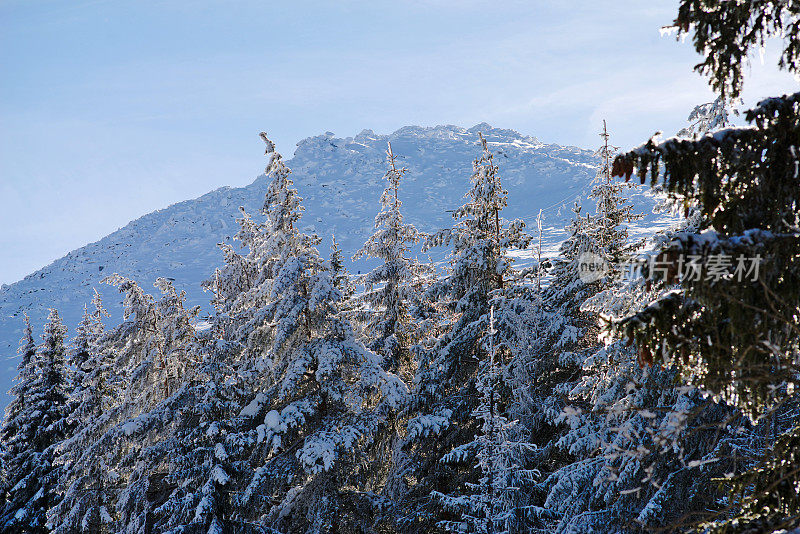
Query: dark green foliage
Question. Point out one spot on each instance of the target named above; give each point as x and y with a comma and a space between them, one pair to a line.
724, 32
766, 497
736, 337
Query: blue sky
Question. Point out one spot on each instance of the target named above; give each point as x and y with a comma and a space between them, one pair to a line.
109, 110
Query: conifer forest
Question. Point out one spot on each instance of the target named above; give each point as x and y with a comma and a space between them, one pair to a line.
619, 385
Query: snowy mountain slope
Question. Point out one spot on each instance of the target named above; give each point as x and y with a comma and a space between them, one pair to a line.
339, 180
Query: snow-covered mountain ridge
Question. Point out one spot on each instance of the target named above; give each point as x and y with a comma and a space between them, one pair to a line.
340, 180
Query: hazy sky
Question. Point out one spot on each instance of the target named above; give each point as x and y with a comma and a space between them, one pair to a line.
109, 110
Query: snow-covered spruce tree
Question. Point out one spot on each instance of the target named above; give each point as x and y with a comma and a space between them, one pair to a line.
650, 449
644, 452
199, 474
212, 439
392, 289
445, 385
493, 505
33, 425
567, 328
153, 360
159, 353
568, 333
171, 475
389, 287
114, 462
85, 360
83, 503
314, 393
736, 336
743, 181
238, 273
614, 210
341, 276
176, 336
88, 397
17, 429
600, 238
565, 335
328, 397
243, 287
87, 334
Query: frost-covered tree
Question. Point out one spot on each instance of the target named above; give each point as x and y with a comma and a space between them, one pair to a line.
156, 353
243, 288
643, 452
389, 287
136, 384
446, 382
609, 228
328, 394
154, 361
34, 424
493, 504
568, 336
90, 394
87, 334
597, 241
200, 476
176, 337
313, 392
17, 428
645, 455
84, 506
479, 265
565, 337
751, 319
341, 277
708, 117
84, 358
